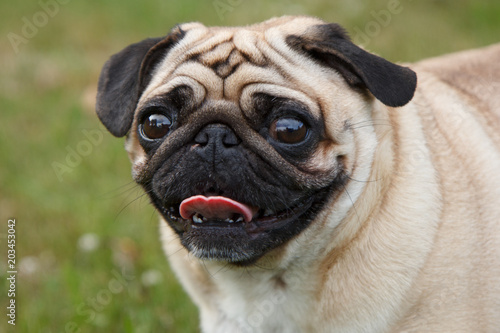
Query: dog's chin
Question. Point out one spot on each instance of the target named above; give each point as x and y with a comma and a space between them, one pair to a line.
241, 242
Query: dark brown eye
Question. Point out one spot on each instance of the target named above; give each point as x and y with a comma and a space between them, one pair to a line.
288, 130
155, 126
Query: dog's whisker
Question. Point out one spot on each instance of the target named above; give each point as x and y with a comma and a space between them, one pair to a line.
221, 269
369, 124
364, 181
119, 190
371, 120
204, 265
169, 255
353, 205
128, 204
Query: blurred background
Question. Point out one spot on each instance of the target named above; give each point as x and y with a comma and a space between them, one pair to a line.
87, 250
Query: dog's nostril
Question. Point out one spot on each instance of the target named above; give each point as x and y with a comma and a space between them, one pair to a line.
217, 135
202, 138
230, 139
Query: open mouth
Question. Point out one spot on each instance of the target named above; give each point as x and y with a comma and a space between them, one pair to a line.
217, 211
215, 227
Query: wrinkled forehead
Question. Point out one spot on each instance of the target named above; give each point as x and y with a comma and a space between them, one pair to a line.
234, 64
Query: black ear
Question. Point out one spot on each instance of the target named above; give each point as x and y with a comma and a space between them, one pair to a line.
329, 44
124, 77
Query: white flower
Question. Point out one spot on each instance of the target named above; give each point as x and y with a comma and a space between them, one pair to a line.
29, 265
151, 277
88, 242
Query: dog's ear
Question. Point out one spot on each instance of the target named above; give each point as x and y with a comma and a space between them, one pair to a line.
329, 44
124, 77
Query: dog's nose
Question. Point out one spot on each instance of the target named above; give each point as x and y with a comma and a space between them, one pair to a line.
216, 137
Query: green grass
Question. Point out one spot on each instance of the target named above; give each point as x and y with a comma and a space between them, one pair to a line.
46, 102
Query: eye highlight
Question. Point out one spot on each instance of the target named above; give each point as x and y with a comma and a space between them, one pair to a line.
288, 130
155, 126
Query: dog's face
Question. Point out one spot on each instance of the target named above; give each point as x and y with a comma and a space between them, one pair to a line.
242, 136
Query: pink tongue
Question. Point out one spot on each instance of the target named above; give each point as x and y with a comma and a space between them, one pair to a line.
215, 207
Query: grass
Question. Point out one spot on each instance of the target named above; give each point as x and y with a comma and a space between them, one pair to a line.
47, 91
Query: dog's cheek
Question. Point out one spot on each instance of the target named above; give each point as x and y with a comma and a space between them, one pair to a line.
323, 158
331, 156
136, 153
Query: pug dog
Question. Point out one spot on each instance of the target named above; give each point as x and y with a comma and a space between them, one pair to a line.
307, 185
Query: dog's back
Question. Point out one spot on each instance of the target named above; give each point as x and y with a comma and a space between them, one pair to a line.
475, 73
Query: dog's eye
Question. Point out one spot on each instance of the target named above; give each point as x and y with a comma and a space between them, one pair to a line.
288, 130
155, 126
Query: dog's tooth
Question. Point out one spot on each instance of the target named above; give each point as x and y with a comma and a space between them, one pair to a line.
170, 214
240, 219
197, 218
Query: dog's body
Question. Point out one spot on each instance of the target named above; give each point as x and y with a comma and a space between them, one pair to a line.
402, 233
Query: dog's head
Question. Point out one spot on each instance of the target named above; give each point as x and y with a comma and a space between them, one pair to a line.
242, 136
